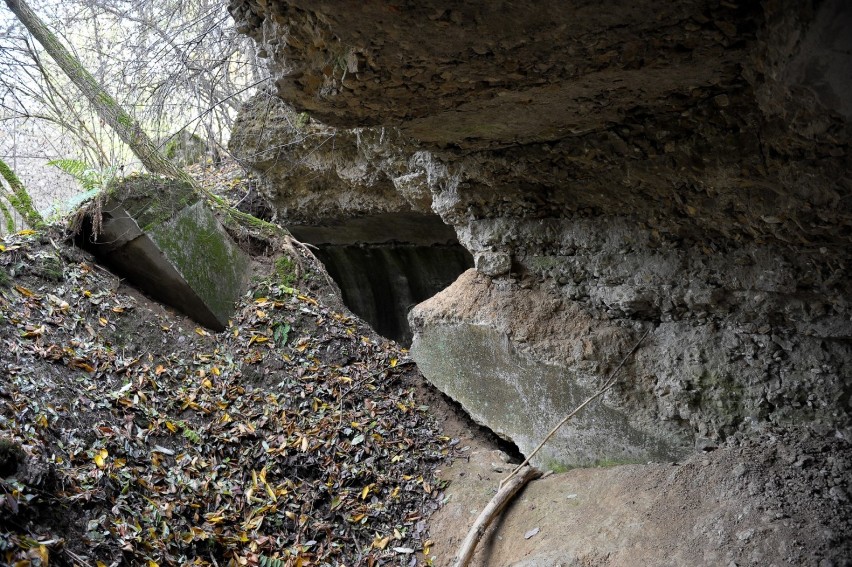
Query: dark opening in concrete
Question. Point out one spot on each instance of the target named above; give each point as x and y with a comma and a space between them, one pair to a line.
385, 265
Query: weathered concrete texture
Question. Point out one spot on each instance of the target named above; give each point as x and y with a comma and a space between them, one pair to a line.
682, 166
520, 356
522, 400
168, 243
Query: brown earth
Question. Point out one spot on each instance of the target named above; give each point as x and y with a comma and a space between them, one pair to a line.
779, 499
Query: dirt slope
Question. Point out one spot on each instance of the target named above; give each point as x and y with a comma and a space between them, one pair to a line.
129, 435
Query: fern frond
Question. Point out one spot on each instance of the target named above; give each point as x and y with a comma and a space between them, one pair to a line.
73, 167
89, 177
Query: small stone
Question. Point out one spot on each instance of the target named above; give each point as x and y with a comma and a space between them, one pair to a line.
838, 494
493, 263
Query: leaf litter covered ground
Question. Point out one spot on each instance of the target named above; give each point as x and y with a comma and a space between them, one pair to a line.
128, 435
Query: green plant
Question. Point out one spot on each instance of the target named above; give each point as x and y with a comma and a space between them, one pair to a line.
285, 270
90, 178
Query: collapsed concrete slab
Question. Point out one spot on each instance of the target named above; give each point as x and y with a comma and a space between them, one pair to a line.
165, 241
520, 359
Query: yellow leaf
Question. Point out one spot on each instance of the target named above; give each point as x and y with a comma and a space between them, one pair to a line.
215, 370
171, 427
153, 564
34, 332
2, 248
393, 362
366, 491
118, 309
42, 554
207, 383
201, 332
258, 339
41, 420
100, 458
380, 542
102, 321
159, 370
25, 232
24, 291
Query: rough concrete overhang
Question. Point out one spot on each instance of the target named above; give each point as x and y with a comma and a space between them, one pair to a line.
168, 243
702, 117
681, 166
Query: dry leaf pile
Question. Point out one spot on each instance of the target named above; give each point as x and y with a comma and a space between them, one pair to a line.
129, 436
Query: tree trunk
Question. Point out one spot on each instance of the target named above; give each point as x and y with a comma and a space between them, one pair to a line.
105, 105
19, 199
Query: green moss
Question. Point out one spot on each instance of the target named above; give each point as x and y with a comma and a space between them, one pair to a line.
19, 198
125, 120
171, 148
557, 467
152, 200
193, 243
4, 277
50, 268
606, 463
285, 271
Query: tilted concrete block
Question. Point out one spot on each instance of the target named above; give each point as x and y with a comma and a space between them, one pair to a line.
166, 241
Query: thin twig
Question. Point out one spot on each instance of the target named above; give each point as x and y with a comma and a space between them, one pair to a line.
76, 558
607, 385
491, 511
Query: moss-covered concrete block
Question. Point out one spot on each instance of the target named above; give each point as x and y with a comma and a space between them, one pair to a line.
167, 242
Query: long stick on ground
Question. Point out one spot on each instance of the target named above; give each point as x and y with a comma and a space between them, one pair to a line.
607, 385
491, 511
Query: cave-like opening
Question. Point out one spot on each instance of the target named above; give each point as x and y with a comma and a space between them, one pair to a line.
387, 264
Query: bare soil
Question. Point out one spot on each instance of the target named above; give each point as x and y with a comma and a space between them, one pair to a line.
780, 498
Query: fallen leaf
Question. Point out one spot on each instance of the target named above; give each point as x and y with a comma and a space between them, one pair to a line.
531, 533
100, 458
